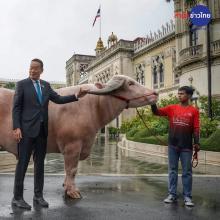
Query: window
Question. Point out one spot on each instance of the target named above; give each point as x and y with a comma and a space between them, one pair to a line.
155, 81
176, 78
82, 69
158, 71
161, 70
193, 35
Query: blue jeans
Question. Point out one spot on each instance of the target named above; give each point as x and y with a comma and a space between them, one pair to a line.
173, 158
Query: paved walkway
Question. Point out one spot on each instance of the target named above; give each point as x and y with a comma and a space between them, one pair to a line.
114, 197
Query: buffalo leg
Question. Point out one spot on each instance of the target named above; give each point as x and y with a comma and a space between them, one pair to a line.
71, 159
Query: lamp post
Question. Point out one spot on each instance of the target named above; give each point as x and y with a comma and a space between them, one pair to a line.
195, 95
195, 98
209, 69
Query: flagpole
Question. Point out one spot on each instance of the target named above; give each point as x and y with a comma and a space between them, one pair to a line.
100, 23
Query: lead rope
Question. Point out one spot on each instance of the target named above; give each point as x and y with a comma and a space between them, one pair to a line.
140, 116
195, 160
195, 154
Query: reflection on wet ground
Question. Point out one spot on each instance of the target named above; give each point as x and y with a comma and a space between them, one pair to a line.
114, 198
105, 158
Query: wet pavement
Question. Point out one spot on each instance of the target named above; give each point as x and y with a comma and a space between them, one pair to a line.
114, 197
105, 158
113, 186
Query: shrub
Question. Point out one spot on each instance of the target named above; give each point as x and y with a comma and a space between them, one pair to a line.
212, 143
159, 125
207, 126
132, 132
169, 101
142, 133
163, 140
113, 131
125, 127
10, 85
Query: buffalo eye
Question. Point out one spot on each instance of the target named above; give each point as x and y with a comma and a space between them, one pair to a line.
130, 83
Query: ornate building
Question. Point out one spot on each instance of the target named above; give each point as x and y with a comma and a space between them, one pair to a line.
149, 60
173, 56
191, 48
154, 60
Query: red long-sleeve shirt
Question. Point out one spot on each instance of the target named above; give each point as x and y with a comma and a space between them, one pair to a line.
184, 124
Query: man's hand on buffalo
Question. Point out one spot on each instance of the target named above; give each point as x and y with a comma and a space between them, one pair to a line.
17, 134
82, 92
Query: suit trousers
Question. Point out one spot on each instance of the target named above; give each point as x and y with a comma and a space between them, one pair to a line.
26, 147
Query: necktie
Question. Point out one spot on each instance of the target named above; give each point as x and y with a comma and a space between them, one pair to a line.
39, 94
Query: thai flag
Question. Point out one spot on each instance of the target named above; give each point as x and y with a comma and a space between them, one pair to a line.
97, 16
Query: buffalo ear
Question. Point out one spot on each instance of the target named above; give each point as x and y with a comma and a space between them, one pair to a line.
99, 85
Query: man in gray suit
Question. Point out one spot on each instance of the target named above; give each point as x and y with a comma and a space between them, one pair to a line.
30, 127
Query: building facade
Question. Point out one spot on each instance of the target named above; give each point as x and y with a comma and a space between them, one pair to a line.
191, 48
149, 60
164, 60
154, 60
76, 69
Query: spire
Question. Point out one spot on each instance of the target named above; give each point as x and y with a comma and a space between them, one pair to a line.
99, 46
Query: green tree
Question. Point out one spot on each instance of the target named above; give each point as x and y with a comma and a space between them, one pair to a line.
10, 85
172, 99
215, 107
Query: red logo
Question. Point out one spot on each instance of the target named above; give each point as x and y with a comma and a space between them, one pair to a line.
182, 14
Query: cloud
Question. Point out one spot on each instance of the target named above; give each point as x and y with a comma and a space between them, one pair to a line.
54, 30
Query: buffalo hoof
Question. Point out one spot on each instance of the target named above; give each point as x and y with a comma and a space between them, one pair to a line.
73, 194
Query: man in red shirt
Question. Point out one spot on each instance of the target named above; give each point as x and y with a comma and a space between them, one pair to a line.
184, 126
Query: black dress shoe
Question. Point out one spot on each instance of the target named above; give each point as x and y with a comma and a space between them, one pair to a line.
40, 201
20, 203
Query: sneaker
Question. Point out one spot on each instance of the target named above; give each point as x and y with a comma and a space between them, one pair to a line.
170, 199
188, 202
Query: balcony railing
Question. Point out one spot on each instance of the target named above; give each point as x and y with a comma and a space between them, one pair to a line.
216, 47
190, 54
83, 79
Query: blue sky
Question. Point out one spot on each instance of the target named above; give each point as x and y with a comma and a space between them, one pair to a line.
53, 30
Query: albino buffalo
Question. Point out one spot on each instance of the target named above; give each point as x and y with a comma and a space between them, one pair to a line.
73, 126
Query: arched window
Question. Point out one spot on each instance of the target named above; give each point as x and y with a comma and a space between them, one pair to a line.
158, 71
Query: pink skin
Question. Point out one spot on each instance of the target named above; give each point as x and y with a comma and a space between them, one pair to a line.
73, 126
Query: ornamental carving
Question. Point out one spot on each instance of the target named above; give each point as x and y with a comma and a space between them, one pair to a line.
139, 69
158, 71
